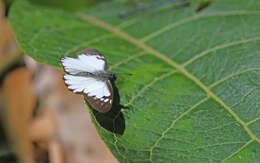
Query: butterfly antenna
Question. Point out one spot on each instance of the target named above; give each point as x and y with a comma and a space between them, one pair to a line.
124, 73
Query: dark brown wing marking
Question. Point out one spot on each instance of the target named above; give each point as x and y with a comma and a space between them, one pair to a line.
100, 105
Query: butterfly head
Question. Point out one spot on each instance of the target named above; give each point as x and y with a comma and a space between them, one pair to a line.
113, 76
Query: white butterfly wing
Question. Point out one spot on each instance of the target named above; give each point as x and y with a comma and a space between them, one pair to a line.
87, 85
99, 94
84, 63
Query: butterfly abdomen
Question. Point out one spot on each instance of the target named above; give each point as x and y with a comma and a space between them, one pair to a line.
103, 76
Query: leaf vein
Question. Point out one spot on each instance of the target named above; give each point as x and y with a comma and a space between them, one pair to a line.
156, 79
42, 30
240, 149
180, 68
253, 121
127, 60
173, 123
196, 17
84, 44
230, 76
220, 47
215, 145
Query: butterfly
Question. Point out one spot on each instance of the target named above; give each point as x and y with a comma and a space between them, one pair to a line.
87, 74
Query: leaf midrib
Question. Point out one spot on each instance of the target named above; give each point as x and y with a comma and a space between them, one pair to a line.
180, 68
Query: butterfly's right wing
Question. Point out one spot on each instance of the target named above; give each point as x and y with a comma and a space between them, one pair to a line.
98, 93
88, 60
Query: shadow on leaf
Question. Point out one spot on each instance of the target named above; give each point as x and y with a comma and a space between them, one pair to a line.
112, 120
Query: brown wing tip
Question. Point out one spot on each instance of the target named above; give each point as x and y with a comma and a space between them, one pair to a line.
98, 105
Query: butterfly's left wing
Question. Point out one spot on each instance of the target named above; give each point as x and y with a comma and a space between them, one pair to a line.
88, 60
103, 104
98, 93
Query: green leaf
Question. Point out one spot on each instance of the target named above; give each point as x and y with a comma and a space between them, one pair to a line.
194, 95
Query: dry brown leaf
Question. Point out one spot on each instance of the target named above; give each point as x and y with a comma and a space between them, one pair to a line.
56, 153
42, 127
9, 51
74, 130
78, 137
20, 102
41, 131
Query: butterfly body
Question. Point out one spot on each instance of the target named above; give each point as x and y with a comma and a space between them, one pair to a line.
88, 74
100, 75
